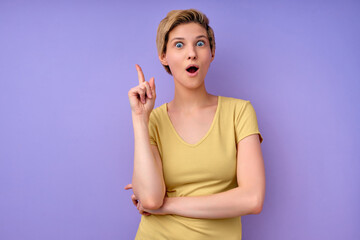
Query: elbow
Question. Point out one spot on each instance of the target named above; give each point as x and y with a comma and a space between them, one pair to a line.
258, 205
155, 202
152, 204
257, 209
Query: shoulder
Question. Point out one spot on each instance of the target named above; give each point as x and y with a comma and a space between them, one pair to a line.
156, 114
236, 104
233, 100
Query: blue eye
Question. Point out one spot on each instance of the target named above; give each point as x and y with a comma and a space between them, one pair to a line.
201, 43
179, 45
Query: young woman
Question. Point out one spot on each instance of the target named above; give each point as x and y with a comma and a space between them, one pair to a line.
198, 164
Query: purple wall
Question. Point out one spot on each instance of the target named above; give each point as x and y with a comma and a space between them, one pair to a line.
66, 137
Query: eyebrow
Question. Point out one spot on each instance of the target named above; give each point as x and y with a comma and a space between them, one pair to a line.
179, 38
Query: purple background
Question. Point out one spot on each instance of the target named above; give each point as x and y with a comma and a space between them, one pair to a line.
66, 136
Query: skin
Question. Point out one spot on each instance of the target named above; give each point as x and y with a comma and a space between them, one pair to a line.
190, 94
191, 97
147, 182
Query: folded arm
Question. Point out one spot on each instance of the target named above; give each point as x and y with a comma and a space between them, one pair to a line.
246, 199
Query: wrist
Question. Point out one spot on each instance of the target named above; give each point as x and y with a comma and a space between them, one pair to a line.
139, 118
168, 205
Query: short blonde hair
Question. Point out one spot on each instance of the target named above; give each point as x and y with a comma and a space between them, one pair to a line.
175, 18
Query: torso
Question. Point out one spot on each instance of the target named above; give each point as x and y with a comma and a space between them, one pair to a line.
193, 127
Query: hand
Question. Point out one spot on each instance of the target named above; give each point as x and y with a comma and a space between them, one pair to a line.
147, 212
142, 97
136, 202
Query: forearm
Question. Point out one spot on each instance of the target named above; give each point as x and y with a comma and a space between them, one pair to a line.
147, 181
232, 203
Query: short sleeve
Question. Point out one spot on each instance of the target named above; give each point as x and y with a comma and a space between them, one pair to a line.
246, 122
152, 129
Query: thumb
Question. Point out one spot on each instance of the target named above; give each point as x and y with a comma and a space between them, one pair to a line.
152, 85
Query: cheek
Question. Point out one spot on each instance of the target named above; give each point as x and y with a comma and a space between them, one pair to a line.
174, 62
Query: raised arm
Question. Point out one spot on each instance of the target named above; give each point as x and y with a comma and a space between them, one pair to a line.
147, 181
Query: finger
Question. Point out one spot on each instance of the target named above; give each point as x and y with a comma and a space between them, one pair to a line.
152, 86
142, 91
139, 91
146, 213
129, 186
134, 200
141, 210
135, 91
148, 89
140, 74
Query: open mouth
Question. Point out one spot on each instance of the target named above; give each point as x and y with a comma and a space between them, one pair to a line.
192, 69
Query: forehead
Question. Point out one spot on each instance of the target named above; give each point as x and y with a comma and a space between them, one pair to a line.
187, 30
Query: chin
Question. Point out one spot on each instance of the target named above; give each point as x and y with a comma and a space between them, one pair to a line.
194, 82
185, 80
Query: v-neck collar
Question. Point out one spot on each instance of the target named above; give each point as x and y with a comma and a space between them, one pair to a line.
207, 133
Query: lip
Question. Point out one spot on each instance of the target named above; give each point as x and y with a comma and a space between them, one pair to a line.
195, 73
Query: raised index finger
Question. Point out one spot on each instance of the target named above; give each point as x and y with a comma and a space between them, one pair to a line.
140, 74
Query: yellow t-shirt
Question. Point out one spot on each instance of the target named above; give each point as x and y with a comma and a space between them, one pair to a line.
204, 168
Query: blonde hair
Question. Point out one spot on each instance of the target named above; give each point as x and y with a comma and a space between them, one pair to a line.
175, 18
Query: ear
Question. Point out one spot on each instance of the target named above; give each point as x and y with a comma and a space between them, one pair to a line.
212, 55
162, 59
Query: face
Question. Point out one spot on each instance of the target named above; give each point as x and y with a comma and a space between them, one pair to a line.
188, 46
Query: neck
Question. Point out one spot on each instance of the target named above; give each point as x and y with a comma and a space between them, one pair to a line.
190, 100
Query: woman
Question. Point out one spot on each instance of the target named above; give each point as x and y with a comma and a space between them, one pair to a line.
198, 164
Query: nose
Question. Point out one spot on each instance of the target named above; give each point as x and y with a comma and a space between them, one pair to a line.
192, 52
